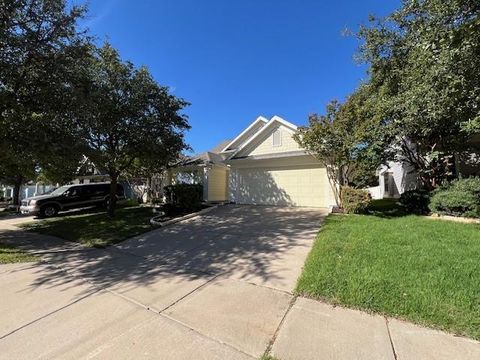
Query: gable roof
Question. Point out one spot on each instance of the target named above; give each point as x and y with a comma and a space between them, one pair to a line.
258, 123
204, 158
275, 120
217, 149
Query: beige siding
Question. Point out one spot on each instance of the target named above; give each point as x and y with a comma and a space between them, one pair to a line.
266, 145
292, 186
217, 184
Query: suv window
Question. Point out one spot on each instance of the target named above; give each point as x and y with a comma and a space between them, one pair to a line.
95, 190
74, 191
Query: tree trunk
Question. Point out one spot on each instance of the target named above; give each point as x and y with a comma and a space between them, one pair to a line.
113, 195
16, 191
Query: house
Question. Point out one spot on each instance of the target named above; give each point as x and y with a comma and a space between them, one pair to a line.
263, 165
396, 177
393, 180
87, 173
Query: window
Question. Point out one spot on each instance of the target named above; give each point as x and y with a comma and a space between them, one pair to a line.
386, 183
277, 138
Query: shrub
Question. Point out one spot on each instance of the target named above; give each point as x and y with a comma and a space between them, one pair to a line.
184, 196
415, 201
471, 185
459, 198
354, 201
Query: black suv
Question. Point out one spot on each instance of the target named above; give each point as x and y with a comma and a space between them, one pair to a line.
69, 197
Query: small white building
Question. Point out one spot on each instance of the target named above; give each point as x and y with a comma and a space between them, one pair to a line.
393, 180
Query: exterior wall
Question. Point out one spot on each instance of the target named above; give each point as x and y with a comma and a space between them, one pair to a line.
266, 145
400, 176
27, 190
293, 181
217, 184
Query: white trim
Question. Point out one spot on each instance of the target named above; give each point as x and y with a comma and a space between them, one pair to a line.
257, 120
275, 119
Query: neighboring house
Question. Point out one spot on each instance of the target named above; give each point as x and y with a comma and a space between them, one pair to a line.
263, 165
398, 176
87, 173
27, 190
393, 180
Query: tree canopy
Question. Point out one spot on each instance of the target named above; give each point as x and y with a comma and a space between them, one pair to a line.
421, 101
349, 140
40, 52
127, 119
423, 62
62, 98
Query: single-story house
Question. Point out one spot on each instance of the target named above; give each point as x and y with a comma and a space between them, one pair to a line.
263, 165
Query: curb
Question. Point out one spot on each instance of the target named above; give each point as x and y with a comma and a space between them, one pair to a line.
459, 219
185, 217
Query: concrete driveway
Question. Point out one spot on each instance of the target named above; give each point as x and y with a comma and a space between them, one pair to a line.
213, 287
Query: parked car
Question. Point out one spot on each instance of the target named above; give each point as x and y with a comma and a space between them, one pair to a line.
70, 197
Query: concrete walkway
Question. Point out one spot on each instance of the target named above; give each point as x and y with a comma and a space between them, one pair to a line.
214, 287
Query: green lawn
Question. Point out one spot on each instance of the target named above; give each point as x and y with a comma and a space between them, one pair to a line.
96, 229
9, 254
409, 267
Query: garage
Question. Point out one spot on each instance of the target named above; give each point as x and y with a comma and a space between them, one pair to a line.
286, 186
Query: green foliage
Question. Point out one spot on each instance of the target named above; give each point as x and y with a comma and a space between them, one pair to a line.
9, 254
471, 185
95, 229
128, 121
42, 52
184, 196
350, 140
415, 201
460, 198
423, 65
354, 201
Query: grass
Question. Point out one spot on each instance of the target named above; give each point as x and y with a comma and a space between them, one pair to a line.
9, 254
96, 229
409, 267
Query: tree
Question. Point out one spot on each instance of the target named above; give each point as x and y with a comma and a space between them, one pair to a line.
127, 119
423, 64
40, 53
348, 140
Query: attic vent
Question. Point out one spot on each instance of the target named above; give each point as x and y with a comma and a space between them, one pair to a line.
277, 138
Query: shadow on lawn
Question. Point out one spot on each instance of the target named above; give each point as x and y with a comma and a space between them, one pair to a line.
245, 240
386, 208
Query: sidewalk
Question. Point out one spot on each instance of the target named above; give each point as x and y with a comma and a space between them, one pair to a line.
314, 330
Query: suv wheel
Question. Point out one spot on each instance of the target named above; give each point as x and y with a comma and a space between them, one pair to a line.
48, 211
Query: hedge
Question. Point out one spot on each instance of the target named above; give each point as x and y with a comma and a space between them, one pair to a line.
185, 196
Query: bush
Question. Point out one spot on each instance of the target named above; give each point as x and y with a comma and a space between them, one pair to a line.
470, 185
415, 201
459, 198
354, 201
184, 196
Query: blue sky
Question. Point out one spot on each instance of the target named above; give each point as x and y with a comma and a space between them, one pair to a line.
236, 60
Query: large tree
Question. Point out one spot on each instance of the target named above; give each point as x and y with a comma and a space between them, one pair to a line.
349, 140
127, 119
41, 51
424, 62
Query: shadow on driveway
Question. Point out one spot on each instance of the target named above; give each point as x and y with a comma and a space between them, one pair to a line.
268, 244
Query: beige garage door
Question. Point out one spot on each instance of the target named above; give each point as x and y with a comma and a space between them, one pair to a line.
293, 186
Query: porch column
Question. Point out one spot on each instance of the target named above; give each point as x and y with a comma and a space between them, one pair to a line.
205, 183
